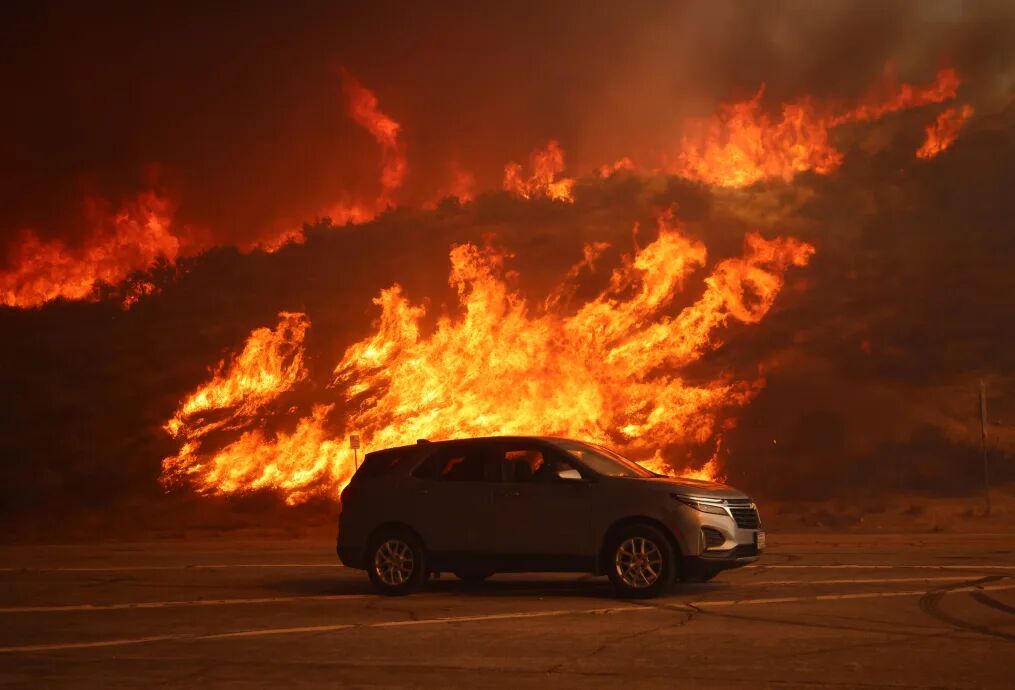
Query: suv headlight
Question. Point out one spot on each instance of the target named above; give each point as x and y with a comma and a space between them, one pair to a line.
703, 503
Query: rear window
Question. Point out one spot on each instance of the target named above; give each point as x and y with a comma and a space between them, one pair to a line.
459, 463
381, 463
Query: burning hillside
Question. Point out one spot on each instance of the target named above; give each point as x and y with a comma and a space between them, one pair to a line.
608, 369
400, 228
741, 145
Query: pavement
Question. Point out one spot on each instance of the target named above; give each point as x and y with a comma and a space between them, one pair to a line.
818, 611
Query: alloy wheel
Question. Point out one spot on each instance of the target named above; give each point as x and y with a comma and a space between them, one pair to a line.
394, 562
639, 562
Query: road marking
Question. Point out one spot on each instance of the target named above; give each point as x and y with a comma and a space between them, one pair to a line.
261, 632
171, 604
838, 597
856, 581
852, 566
66, 608
204, 566
266, 632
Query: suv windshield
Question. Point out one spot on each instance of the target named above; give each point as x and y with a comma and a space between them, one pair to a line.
603, 461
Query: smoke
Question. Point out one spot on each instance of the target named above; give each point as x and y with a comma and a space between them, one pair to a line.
245, 115
871, 355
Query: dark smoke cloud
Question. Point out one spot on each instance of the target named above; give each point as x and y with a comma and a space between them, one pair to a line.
872, 353
242, 110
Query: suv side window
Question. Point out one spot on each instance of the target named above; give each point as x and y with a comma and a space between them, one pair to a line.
523, 462
379, 463
459, 463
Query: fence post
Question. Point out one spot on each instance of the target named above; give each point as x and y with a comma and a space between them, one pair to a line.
983, 437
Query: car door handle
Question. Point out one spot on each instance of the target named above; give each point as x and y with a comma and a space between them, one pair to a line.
510, 494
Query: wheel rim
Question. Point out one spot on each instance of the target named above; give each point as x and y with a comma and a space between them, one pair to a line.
639, 562
394, 562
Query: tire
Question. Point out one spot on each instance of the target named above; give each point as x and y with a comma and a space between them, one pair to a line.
396, 562
473, 577
640, 562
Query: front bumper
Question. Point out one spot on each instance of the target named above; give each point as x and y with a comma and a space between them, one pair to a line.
716, 561
715, 542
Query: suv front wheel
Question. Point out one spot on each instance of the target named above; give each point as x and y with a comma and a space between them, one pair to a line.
396, 562
641, 563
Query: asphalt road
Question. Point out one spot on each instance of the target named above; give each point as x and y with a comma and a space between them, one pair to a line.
895, 611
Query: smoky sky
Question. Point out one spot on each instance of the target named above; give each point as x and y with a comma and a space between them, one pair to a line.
238, 111
872, 353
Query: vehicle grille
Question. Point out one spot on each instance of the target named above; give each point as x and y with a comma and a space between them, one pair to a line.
713, 537
744, 513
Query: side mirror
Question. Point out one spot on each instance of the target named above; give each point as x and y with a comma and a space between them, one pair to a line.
569, 474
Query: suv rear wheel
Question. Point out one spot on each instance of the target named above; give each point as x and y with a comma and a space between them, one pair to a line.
396, 562
641, 563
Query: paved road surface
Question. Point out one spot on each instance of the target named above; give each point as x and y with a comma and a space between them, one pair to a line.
892, 611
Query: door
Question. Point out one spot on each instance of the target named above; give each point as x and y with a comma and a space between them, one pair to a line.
450, 497
543, 506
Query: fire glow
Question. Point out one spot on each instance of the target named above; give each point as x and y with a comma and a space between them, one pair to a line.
131, 238
607, 370
943, 132
544, 178
738, 146
742, 144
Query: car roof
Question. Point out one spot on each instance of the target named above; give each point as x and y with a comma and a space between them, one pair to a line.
472, 439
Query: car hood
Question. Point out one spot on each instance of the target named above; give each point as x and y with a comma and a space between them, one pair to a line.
694, 487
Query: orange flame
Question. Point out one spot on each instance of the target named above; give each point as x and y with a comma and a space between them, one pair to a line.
742, 144
270, 364
364, 110
889, 97
137, 290
609, 371
610, 169
461, 186
121, 242
943, 132
545, 166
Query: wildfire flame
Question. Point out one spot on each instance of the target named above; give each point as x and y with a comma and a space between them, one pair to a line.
742, 144
364, 109
120, 242
889, 97
608, 370
270, 364
545, 167
609, 169
136, 236
944, 130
